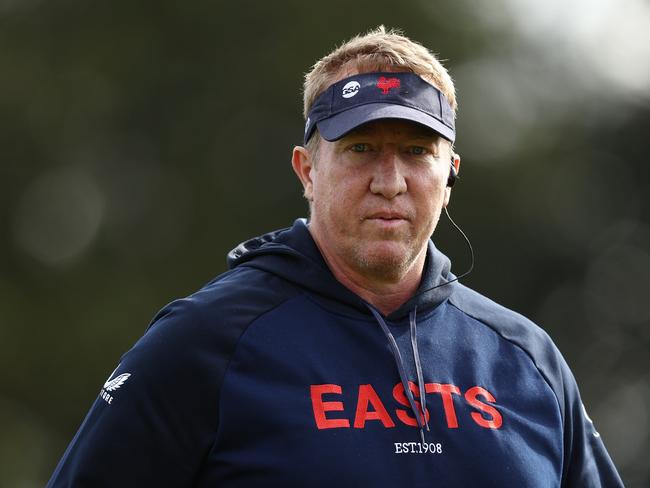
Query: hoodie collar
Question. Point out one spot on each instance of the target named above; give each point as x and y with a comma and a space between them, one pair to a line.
292, 254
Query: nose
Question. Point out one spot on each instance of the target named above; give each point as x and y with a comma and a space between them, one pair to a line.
388, 179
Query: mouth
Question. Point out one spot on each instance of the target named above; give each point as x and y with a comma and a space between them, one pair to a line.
387, 218
387, 215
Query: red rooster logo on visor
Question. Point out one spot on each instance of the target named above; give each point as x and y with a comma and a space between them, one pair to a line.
385, 84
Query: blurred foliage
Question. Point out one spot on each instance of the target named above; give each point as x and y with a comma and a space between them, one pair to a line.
142, 141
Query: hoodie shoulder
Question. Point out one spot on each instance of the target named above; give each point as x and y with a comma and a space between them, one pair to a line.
586, 461
230, 301
174, 371
518, 330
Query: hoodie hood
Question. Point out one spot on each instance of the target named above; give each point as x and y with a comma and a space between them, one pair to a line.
292, 254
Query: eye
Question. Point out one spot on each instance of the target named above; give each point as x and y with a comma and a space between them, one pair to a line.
359, 147
418, 150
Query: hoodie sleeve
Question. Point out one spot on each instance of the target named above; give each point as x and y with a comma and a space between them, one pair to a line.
587, 462
156, 416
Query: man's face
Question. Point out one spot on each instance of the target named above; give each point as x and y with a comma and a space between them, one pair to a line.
377, 195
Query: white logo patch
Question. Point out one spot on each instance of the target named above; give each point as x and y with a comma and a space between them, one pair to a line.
115, 383
350, 89
112, 385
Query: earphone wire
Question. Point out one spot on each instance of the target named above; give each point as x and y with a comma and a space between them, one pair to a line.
469, 244
471, 253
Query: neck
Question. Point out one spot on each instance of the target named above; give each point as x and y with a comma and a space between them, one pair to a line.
385, 294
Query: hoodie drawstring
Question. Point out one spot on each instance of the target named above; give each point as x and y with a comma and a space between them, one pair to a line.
421, 418
418, 365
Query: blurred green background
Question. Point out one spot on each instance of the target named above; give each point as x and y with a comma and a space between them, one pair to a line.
140, 141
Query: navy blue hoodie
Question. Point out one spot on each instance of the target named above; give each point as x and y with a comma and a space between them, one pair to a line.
275, 374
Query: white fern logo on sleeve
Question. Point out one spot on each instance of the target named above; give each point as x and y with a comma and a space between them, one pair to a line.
112, 385
115, 383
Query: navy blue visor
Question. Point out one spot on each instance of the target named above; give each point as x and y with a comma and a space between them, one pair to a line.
362, 98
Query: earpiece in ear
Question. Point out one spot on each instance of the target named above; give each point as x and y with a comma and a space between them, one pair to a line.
453, 176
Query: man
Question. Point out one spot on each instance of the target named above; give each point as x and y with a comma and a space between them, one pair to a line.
342, 351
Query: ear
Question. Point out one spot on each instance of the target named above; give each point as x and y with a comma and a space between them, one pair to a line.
456, 162
303, 164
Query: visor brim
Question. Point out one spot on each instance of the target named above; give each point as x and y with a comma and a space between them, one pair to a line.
337, 126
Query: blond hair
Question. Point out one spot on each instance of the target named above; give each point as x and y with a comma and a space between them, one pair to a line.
377, 50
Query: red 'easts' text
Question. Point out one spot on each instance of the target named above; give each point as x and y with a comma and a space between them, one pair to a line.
370, 407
